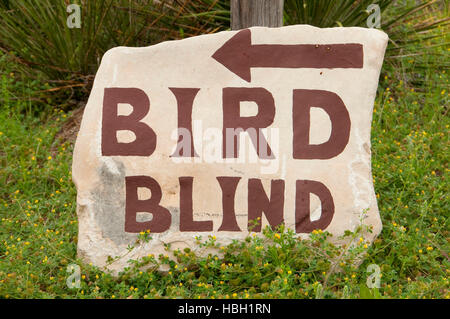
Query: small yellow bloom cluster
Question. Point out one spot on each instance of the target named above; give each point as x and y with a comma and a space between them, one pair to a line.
361, 240
202, 284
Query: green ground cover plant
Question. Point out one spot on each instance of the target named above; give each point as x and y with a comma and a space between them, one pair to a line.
410, 151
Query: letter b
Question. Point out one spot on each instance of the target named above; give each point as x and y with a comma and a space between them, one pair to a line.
161, 216
145, 142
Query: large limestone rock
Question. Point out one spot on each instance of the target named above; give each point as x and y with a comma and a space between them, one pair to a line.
305, 96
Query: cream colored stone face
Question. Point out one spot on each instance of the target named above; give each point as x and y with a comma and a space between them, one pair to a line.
100, 179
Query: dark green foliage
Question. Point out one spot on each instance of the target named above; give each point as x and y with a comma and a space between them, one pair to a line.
327, 14
37, 34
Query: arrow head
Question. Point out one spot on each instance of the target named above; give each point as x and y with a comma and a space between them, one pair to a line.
235, 54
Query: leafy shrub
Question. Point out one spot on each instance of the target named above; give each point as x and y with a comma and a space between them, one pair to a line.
327, 14
37, 34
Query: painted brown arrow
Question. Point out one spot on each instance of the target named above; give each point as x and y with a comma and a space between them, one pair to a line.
238, 55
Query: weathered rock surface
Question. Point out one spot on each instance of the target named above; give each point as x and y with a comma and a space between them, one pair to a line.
312, 89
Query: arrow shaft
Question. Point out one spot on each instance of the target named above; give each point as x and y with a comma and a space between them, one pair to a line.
348, 55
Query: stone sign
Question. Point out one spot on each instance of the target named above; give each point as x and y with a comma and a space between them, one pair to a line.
202, 136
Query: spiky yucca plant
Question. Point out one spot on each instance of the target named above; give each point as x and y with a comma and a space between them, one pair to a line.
37, 34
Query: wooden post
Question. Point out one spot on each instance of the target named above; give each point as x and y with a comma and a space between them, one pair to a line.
249, 13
